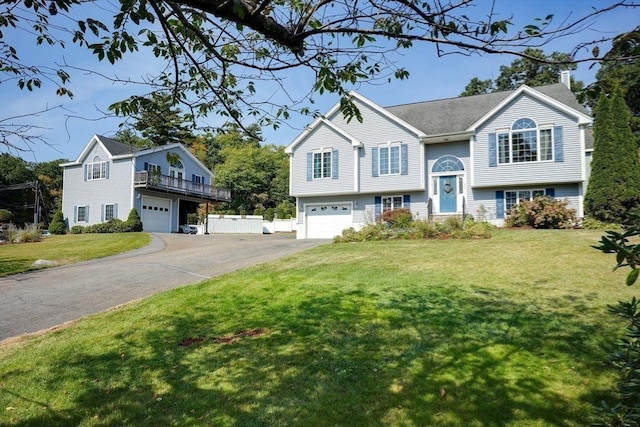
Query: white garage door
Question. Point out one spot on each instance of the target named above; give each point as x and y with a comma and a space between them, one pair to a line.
156, 214
327, 221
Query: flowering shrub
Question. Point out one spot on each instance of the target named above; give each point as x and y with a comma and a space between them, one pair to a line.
542, 212
397, 217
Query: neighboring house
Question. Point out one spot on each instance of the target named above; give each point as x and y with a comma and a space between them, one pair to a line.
110, 178
476, 155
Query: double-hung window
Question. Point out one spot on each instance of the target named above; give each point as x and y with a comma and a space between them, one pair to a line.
97, 169
390, 203
109, 212
512, 198
322, 164
81, 214
525, 142
389, 159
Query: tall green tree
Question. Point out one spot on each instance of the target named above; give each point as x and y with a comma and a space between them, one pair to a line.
217, 52
614, 183
17, 199
158, 122
254, 175
534, 69
625, 75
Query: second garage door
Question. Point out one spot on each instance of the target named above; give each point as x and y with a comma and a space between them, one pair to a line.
327, 221
156, 214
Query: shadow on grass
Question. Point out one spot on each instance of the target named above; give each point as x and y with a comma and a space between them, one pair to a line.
427, 356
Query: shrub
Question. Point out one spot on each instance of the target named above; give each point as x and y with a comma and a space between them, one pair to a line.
258, 211
133, 221
542, 212
5, 215
593, 224
400, 218
474, 230
425, 229
57, 225
11, 233
30, 233
269, 214
285, 209
77, 229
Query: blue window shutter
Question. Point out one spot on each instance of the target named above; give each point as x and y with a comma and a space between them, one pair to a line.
75, 214
146, 166
499, 204
86, 212
334, 164
557, 144
102, 213
309, 166
378, 207
406, 201
493, 150
404, 159
193, 177
115, 210
374, 161
107, 170
551, 192
86, 172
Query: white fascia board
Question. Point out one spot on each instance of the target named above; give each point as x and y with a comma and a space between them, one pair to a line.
94, 139
524, 89
180, 147
316, 123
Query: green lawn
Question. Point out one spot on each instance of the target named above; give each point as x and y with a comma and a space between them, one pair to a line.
66, 249
509, 331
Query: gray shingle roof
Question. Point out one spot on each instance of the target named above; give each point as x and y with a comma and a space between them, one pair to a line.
450, 115
117, 148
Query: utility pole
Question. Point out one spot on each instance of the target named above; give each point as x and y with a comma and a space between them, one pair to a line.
36, 203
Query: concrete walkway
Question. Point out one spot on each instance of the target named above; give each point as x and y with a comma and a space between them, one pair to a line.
43, 299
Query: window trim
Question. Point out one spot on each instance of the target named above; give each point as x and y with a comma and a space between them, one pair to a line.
503, 158
535, 192
113, 211
393, 206
390, 166
85, 211
325, 170
100, 167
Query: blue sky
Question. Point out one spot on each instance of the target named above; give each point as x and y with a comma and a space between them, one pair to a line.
431, 78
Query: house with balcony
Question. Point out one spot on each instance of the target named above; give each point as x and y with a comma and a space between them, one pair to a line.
109, 178
477, 155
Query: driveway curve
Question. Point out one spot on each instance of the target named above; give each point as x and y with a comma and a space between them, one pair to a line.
43, 299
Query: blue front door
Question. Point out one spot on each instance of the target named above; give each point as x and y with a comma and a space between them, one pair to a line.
448, 192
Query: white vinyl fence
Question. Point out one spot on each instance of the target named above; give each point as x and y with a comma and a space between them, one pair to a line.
246, 224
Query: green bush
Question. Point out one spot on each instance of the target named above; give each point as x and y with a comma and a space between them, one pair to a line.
258, 211
400, 218
418, 230
593, 224
57, 225
269, 214
5, 215
77, 229
133, 221
542, 212
285, 210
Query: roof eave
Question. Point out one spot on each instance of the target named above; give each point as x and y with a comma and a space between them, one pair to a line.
447, 137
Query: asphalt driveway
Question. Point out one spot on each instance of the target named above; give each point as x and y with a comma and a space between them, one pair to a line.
43, 299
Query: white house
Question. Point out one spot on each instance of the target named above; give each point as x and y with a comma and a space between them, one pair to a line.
110, 178
476, 155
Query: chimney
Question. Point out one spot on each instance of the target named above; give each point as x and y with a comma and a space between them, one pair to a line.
565, 78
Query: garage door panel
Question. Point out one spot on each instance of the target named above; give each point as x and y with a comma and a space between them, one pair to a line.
328, 220
156, 214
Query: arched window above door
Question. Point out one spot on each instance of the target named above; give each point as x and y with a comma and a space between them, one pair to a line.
447, 163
